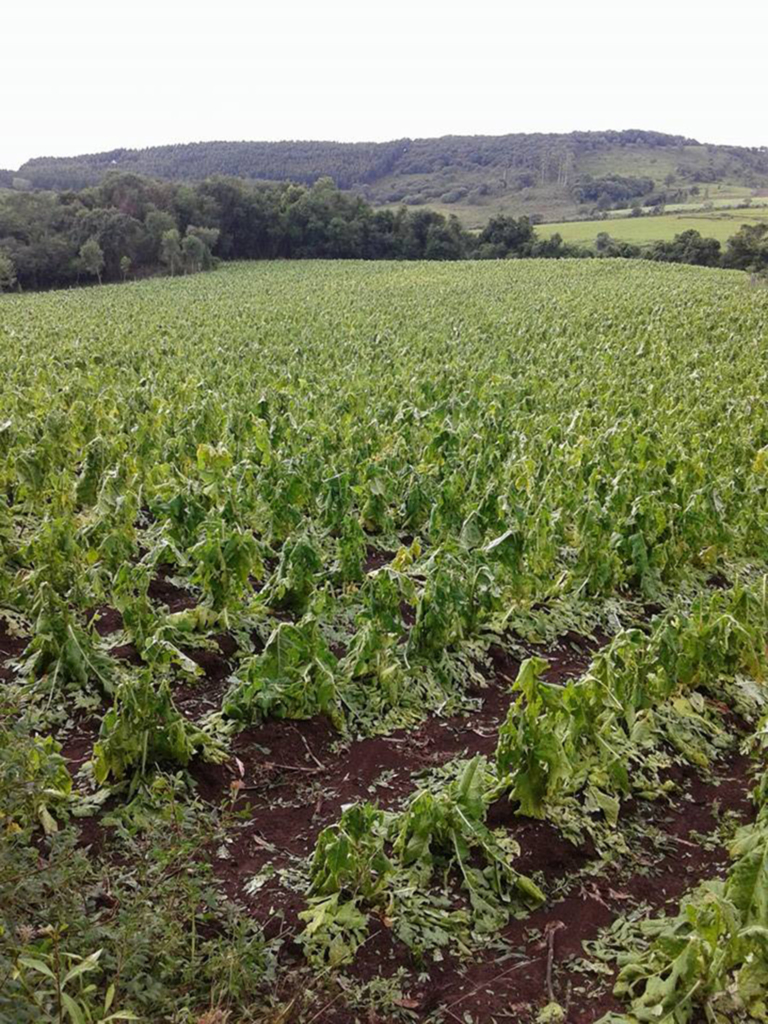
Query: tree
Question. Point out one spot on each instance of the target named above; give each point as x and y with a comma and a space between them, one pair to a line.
125, 266
193, 252
688, 247
7, 272
156, 223
748, 248
607, 246
603, 242
208, 238
554, 248
503, 236
92, 258
118, 235
170, 251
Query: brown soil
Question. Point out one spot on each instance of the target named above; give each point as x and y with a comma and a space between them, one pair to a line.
293, 777
375, 558
11, 648
296, 776
105, 620
164, 592
126, 652
513, 985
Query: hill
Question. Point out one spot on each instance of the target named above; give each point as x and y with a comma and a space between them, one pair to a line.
548, 176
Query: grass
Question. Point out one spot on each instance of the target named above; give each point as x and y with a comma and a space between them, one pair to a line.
558, 211
653, 162
720, 224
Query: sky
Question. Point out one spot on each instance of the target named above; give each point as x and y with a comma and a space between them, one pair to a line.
90, 75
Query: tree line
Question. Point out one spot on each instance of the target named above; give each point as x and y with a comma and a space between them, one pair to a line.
532, 172
132, 226
348, 163
538, 157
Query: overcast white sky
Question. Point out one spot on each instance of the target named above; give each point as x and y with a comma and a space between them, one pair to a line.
88, 75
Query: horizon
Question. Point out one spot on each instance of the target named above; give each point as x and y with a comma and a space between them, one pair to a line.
341, 73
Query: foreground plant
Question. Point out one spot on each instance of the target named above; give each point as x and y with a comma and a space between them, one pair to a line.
144, 729
62, 653
712, 957
56, 985
294, 677
374, 861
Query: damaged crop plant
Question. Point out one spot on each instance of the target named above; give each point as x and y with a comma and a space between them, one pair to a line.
360, 622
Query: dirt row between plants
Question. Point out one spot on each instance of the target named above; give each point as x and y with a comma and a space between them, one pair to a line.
293, 779
512, 984
297, 776
301, 785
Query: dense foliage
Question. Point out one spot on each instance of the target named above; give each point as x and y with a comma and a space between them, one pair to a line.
353, 163
134, 432
131, 226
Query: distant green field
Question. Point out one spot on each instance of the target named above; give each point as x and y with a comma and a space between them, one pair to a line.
719, 224
552, 203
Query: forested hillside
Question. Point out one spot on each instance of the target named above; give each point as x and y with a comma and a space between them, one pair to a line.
552, 176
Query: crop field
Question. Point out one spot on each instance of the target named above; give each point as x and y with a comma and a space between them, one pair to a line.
385, 642
720, 224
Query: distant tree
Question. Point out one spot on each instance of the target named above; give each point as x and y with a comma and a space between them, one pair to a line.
193, 254
506, 236
554, 248
444, 241
156, 223
208, 238
603, 242
687, 247
7, 272
748, 248
170, 251
127, 224
92, 258
607, 246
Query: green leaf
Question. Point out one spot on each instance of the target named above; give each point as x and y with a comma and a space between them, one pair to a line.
747, 886
74, 1011
37, 965
90, 963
